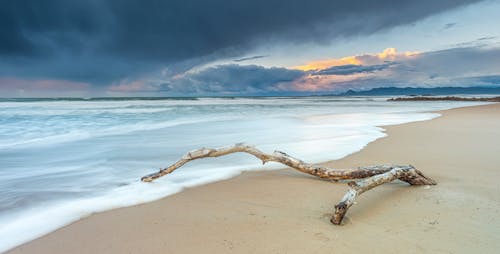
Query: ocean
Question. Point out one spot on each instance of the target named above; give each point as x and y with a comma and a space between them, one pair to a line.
63, 159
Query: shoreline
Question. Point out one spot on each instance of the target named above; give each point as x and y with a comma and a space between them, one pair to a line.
205, 213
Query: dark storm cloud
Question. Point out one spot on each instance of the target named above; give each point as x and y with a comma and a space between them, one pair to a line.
233, 79
350, 69
103, 40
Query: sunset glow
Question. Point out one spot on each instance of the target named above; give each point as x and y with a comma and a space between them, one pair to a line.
389, 54
323, 64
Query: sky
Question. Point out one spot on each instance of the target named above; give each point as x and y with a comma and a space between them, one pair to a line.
61, 48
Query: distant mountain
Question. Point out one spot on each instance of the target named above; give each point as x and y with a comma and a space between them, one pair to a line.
415, 91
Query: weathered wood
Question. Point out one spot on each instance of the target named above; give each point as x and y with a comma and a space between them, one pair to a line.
277, 156
373, 175
405, 173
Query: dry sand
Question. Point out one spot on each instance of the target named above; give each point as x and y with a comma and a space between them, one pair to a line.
288, 212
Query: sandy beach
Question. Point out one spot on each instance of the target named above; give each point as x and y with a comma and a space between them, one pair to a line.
285, 211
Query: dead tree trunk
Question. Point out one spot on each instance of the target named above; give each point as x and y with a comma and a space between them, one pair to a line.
372, 176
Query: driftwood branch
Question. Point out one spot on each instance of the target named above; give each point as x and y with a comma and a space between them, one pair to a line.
372, 175
405, 173
277, 156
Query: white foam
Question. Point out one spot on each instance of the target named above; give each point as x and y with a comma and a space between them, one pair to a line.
37, 221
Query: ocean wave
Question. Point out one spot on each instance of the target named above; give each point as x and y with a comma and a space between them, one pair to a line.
82, 134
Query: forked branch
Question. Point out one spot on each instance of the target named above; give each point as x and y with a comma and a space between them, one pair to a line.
372, 176
405, 173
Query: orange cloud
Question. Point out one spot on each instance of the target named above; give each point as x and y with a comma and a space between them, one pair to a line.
323, 64
389, 54
392, 54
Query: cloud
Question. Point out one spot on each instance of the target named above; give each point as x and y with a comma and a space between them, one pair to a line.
14, 87
353, 68
449, 25
487, 38
488, 80
104, 41
389, 54
471, 66
249, 58
126, 86
232, 79
479, 42
455, 62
